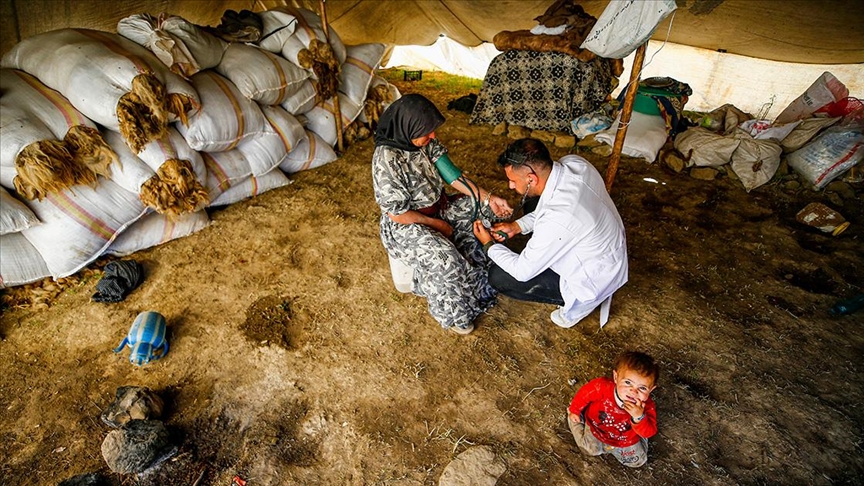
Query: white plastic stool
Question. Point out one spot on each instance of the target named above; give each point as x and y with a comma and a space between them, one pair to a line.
403, 275
605, 307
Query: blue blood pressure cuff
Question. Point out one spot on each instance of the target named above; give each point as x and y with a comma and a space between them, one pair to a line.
448, 171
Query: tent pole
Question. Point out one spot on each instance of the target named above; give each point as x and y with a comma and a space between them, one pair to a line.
626, 111
338, 112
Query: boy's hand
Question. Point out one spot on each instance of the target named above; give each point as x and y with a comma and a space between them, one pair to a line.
574, 417
636, 410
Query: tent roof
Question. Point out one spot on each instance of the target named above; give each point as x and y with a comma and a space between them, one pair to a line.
804, 31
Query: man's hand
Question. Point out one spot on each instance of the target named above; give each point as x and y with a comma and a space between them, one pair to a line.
510, 229
482, 233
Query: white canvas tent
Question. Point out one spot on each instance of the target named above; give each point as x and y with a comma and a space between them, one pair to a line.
730, 51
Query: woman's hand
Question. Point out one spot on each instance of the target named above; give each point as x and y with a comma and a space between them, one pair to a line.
482, 233
500, 206
441, 226
416, 217
509, 230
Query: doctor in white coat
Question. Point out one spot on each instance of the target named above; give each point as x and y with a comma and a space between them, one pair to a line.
577, 255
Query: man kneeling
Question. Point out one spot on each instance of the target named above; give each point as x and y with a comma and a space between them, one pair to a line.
577, 256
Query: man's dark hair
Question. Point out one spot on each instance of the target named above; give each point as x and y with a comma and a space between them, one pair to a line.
639, 362
526, 151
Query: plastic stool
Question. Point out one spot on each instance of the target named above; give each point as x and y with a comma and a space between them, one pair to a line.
403, 275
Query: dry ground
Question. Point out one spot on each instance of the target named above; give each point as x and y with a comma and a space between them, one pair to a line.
294, 361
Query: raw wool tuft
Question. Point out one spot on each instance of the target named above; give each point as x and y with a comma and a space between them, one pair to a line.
90, 150
379, 97
319, 57
174, 190
143, 112
47, 166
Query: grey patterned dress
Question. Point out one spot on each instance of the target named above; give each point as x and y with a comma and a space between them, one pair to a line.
452, 275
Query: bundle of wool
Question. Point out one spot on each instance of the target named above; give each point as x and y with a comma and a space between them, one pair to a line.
319, 57
47, 166
376, 99
174, 190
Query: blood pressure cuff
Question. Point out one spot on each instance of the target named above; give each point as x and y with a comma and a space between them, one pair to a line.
448, 171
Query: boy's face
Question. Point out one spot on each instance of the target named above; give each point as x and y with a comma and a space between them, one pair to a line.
631, 386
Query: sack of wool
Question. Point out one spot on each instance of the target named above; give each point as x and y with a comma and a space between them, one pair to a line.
155, 229
78, 224
260, 75
48, 145
310, 153
110, 79
182, 46
167, 174
322, 118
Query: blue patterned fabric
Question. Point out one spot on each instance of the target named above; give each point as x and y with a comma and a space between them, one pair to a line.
146, 337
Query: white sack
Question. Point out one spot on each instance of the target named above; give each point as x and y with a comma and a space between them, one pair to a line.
278, 25
155, 229
182, 46
226, 116
704, 148
80, 223
755, 161
805, 131
14, 214
290, 130
826, 89
322, 118
302, 100
224, 169
251, 187
625, 25
309, 27
358, 69
646, 135
310, 153
829, 155
20, 262
260, 75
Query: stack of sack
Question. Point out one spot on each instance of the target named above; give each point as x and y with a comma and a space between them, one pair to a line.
112, 143
820, 133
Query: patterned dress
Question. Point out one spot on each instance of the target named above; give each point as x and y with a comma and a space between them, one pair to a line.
450, 274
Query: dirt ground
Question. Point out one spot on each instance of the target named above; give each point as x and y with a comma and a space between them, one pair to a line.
295, 361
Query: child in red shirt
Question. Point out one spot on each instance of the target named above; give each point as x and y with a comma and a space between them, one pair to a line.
617, 416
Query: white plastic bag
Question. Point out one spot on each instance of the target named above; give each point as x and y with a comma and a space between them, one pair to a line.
830, 154
625, 25
826, 89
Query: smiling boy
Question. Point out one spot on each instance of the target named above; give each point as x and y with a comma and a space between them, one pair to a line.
617, 416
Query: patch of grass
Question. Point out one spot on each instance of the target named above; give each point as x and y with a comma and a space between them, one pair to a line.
434, 80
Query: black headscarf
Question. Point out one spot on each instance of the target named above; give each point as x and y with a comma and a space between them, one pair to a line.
411, 116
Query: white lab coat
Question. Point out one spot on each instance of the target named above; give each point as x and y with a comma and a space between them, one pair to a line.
577, 233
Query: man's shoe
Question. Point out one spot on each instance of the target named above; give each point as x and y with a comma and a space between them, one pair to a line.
463, 330
559, 319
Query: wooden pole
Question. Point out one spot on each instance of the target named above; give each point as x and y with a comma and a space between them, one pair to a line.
626, 112
338, 114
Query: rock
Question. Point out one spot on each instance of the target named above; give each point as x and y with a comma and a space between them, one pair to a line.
543, 136
603, 150
89, 479
791, 185
782, 169
132, 403
703, 173
516, 132
564, 141
674, 161
843, 189
137, 447
477, 466
835, 199
589, 141
500, 129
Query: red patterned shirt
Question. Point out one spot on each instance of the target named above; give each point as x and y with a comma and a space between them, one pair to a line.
610, 423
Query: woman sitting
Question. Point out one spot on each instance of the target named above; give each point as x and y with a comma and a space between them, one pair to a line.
422, 226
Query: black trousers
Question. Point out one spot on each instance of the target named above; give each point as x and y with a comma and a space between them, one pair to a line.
543, 288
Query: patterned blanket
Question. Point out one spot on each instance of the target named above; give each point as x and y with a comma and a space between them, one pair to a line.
541, 90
